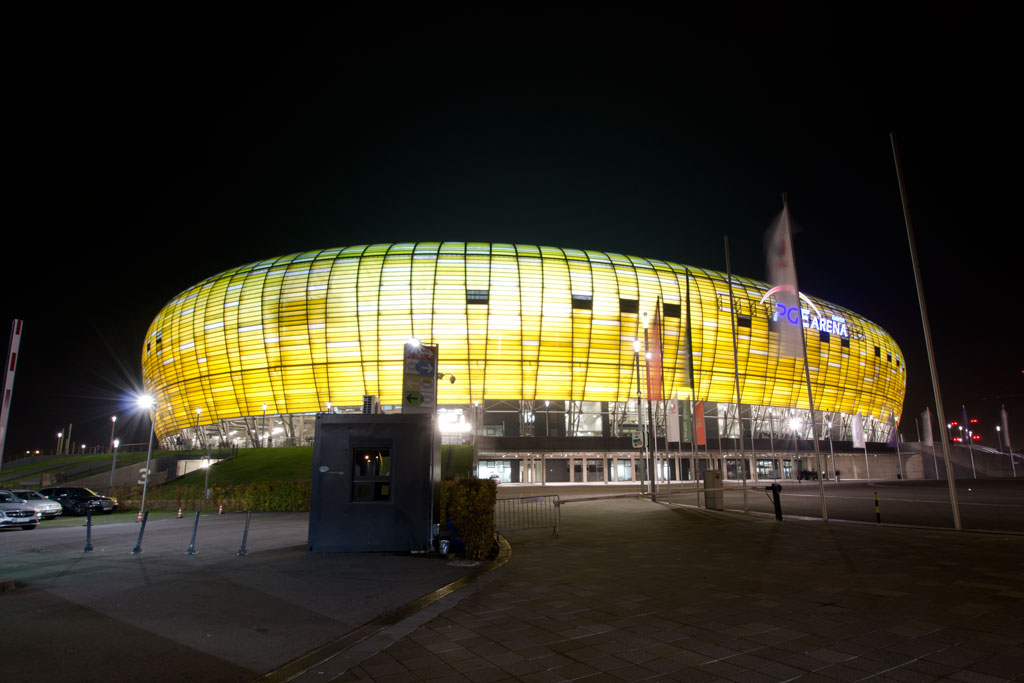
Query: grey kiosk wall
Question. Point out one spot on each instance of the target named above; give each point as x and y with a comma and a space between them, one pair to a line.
376, 481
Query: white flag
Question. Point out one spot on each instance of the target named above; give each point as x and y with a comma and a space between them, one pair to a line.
1006, 429
926, 427
858, 432
782, 275
672, 421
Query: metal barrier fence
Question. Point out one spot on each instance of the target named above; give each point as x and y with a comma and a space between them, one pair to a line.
521, 514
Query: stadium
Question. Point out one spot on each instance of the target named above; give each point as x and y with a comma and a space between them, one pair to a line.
537, 359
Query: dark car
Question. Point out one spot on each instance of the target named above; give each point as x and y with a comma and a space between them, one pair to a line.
78, 500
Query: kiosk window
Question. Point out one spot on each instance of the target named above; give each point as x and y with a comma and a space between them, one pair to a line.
371, 474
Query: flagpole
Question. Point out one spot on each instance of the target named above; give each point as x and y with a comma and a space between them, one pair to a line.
927, 334
807, 369
736, 373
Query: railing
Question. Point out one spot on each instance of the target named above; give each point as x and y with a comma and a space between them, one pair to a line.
521, 514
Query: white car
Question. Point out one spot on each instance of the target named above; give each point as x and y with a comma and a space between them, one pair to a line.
48, 509
15, 513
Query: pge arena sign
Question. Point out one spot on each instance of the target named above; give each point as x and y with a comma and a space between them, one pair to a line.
793, 314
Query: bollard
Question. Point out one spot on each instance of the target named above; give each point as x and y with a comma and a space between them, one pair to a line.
142, 529
220, 510
179, 514
776, 500
195, 527
878, 516
245, 535
88, 531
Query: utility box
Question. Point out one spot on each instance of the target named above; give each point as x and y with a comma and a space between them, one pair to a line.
376, 483
713, 500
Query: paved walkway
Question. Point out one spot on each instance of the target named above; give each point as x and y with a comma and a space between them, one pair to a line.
635, 591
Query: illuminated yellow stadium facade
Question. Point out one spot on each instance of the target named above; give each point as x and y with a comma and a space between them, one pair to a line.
270, 342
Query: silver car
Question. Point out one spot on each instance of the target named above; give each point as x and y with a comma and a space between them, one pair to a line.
15, 513
48, 509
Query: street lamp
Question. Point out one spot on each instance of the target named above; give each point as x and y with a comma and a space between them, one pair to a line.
547, 418
652, 426
146, 403
641, 427
198, 411
113, 421
264, 424
206, 486
831, 451
60, 435
113, 463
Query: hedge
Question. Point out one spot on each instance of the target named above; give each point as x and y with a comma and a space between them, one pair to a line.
469, 505
262, 496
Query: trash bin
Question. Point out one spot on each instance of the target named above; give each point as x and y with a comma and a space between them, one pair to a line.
713, 500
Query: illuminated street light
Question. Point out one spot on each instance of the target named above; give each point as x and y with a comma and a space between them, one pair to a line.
146, 402
113, 462
264, 425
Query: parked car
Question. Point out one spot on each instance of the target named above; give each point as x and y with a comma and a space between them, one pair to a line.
78, 500
48, 509
13, 512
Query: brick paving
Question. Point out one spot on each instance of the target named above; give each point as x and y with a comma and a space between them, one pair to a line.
635, 591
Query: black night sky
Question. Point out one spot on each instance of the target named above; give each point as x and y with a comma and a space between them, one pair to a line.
149, 149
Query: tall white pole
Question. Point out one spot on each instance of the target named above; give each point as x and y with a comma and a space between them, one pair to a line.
927, 333
736, 372
12, 363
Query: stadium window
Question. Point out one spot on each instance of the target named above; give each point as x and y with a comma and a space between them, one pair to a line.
897, 362
742, 320
671, 310
845, 343
629, 306
584, 302
371, 475
878, 352
824, 336
888, 357
477, 296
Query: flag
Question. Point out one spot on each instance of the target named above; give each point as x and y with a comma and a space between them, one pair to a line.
699, 420
782, 275
672, 422
926, 432
654, 362
858, 432
1006, 429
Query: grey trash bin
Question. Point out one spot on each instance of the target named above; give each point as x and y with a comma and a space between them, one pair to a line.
713, 500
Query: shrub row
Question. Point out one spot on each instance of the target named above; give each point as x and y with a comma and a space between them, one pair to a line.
263, 496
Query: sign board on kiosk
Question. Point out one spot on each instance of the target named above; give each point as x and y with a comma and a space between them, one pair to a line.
419, 378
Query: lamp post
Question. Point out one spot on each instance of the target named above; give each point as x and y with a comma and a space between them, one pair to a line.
547, 418
206, 486
264, 425
198, 411
60, 438
113, 463
83, 449
641, 427
147, 404
113, 421
476, 420
832, 451
652, 427
999, 435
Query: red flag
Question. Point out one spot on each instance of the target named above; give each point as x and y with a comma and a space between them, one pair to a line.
654, 362
698, 412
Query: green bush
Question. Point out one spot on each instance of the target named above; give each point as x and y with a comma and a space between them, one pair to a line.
457, 461
263, 496
469, 505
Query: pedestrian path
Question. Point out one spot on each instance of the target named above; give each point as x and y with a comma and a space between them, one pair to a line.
633, 591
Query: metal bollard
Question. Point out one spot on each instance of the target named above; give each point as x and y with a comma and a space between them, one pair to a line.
142, 529
88, 531
776, 500
195, 527
878, 516
245, 535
